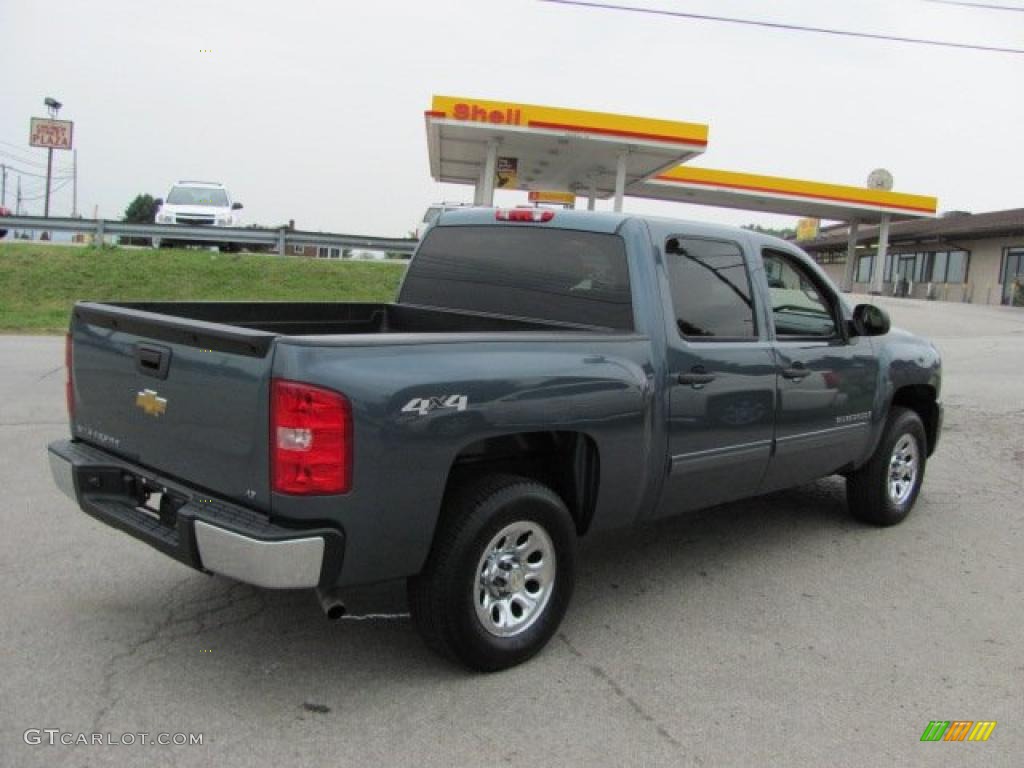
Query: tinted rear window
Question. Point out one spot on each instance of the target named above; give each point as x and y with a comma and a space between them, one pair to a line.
524, 271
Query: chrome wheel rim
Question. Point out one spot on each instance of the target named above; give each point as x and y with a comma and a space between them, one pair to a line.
514, 579
903, 468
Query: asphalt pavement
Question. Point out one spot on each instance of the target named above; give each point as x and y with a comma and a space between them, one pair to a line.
776, 631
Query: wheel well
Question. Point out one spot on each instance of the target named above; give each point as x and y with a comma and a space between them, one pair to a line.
567, 462
920, 398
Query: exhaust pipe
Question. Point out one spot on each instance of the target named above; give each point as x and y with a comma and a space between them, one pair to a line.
331, 603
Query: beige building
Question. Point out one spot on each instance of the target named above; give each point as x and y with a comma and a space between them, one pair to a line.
958, 256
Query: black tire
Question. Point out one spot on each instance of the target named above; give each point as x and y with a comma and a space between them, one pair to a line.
442, 598
868, 491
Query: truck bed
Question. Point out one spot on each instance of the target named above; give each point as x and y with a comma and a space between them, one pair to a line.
306, 318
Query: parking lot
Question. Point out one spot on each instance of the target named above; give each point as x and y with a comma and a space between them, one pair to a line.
776, 631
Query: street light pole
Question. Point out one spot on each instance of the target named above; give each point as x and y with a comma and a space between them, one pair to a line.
54, 107
49, 172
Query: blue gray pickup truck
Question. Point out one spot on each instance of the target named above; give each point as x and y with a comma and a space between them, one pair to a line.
542, 376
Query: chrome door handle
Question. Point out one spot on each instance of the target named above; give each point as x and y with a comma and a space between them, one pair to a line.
696, 380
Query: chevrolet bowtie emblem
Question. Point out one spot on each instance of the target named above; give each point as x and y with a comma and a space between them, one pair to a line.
148, 401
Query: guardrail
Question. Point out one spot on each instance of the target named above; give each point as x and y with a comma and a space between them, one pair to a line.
280, 238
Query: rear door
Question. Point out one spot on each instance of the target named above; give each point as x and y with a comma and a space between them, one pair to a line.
722, 376
826, 381
185, 398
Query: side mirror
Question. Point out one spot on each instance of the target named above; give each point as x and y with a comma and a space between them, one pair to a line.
158, 202
869, 320
236, 206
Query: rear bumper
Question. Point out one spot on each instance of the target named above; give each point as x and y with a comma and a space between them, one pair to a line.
202, 532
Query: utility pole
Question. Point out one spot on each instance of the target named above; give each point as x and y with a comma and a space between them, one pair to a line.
3, 185
17, 210
74, 184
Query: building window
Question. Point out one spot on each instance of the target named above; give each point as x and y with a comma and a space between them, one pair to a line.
831, 257
906, 266
298, 250
864, 264
335, 253
949, 267
321, 252
956, 271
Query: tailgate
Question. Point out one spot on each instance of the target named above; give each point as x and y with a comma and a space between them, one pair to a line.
183, 397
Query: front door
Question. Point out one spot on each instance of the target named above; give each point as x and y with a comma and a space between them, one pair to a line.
722, 385
1013, 269
826, 382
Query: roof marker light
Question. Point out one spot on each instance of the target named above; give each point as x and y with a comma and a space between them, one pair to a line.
524, 214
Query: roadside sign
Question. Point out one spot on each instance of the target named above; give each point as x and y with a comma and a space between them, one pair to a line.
548, 196
507, 172
52, 134
807, 229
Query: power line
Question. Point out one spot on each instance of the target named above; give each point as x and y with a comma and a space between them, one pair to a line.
982, 6
55, 189
21, 158
23, 172
789, 27
9, 160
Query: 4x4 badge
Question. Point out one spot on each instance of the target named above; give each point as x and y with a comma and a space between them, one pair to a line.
149, 402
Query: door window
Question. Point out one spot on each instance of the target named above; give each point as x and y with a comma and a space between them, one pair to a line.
710, 289
799, 307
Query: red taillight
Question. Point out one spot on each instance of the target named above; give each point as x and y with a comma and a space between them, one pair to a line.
523, 214
310, 439
69, 385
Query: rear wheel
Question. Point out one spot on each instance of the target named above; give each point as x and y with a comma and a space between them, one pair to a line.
500, 575
884, 490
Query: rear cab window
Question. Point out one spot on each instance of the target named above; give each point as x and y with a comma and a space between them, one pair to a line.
710, 287
560, 275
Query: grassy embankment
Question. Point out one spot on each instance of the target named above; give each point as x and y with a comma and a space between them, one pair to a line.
39, 282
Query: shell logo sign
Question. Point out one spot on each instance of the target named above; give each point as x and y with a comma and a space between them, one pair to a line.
481, 114
568, 120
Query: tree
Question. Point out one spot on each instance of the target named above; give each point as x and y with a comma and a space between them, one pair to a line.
786, 233
141, 210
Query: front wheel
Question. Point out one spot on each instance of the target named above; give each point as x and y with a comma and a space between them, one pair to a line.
884, 490
500, 575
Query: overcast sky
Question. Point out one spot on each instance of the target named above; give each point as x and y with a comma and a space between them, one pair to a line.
313, 111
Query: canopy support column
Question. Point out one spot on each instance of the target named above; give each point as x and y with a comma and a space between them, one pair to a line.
851, 256
620, 179
591, 194
878, 271
490, 168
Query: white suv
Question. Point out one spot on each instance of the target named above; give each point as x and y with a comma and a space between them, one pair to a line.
198, 204
433, 212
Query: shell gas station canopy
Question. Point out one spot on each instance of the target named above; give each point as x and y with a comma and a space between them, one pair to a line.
774, 194
551, 151
521, 146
